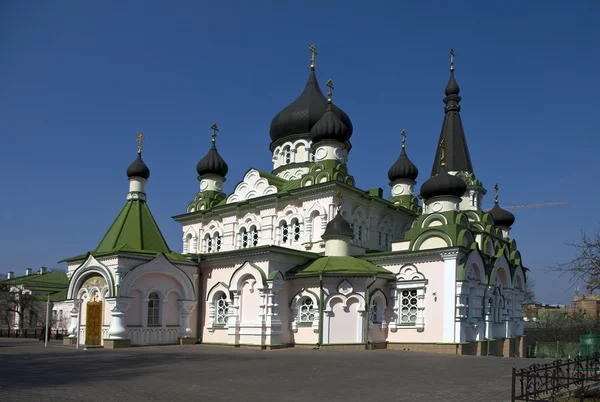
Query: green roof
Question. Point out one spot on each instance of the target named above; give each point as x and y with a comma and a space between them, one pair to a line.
337, 266
134, 231
53, 282
281, 184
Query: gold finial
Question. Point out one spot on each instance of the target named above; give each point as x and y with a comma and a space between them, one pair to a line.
139, 138
313, 50
496, 188
339, 201
443, 154
330, 93
215, 130
451, 59
403, 134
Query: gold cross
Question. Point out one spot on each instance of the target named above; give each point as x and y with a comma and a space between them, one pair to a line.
443, 154
451, 59
139, 138
329, 84
496, 188
339, 201
313, 50
215, 130
403, 134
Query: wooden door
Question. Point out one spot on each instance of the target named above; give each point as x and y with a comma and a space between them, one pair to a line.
93, 323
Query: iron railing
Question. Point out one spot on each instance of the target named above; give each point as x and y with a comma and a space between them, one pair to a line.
32, 333
559, 380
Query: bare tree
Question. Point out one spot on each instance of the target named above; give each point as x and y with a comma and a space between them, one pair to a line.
585, 267
529, 291
19, 301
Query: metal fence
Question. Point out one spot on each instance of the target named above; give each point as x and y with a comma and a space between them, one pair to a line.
36, 333
571, 379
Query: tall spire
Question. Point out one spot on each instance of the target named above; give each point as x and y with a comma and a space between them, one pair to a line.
457, 157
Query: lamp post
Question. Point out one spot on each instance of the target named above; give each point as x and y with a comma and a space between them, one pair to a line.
79, 304
47, 321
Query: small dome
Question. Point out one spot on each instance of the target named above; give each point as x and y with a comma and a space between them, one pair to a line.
452, 88
303, 113
443, 184
329, 127
403, 168
501, 216
338, 226
212, 163
138, 168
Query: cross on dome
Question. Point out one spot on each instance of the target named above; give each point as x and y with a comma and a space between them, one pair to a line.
313, 50
403, 134
139, 139
451, 59
330, 93
215, 130
339, 197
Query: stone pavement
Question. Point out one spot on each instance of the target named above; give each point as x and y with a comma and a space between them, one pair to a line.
30, 372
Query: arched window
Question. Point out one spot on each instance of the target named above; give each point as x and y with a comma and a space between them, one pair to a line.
287, 155
254, 235
408, 311
306, 313
187, 244
221, 308
243, 238
285, 232
216, 242
153, 309
295, 230
209, 244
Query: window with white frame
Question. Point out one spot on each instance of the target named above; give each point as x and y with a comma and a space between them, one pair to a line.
295, 230
243, 238
285, 232
287, 155
217, 241
306, 312
221, 309
153, 309
408, 307
209, 244
254, 236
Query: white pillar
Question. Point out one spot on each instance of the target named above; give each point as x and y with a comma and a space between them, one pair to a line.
117, 306
73, 307
185, 310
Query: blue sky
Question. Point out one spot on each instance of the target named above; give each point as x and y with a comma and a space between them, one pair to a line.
80, 79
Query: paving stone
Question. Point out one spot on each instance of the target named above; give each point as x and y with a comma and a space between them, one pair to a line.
30, 372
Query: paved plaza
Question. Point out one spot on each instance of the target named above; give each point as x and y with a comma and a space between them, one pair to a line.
30, 372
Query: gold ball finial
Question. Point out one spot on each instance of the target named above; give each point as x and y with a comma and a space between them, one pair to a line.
313, 50
140, 138
330, 93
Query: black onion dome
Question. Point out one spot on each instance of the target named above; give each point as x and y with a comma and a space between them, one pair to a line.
138, 168
329, 127
403, 168
452, 88
443, 184
303, 113
338, 226
212, 163
501, 216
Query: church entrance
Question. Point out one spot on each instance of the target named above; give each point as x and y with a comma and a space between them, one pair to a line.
93, 323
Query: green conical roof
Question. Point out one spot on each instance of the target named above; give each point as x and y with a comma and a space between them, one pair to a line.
133, 231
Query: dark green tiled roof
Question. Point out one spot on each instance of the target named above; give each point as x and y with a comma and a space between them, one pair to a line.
337, 266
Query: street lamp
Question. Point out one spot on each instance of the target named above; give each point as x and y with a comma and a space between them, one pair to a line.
46, 335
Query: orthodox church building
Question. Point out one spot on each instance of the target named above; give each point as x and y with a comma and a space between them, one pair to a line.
301, 257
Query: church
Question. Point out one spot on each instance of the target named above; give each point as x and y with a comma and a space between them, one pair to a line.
301, 257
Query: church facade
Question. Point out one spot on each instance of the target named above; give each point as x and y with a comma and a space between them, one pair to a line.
301, 257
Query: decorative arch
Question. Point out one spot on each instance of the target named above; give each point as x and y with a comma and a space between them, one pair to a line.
519, 279
473, 268
88, 267
252, 186
501, 264
465, 238
316, 208
427, 222
378, 304
345, 299
156, 290
410, 272
247, 268
432, 233
472, 216
159, 265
